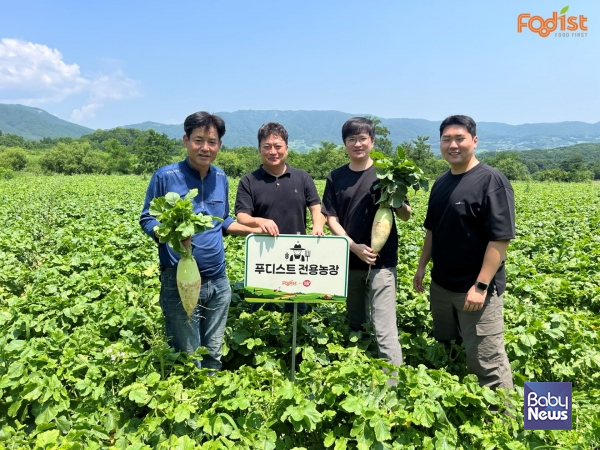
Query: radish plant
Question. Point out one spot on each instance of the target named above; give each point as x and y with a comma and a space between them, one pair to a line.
395, 177
178, 222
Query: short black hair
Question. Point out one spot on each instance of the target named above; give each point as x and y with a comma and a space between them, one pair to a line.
204, 120
270, 128
358, 125
458, 119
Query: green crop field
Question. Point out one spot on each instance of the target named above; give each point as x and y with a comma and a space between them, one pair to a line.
84, 363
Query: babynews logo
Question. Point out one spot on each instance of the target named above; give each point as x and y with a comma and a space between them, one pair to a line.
548, 406
560, 24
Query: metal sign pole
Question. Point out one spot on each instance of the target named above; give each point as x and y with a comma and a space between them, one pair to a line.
293, 370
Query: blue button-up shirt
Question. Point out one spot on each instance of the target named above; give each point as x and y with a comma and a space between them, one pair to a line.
212, 199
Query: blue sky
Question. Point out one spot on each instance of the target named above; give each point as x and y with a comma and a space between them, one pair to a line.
111, 63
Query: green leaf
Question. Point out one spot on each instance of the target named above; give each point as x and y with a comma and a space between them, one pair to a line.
564, 10
172, 198
14, 345
46, 415
286, 391
139, 394
64, 425
186, 229
401, 152
152, 379
381, 427
182, 412
14, 408
329, 439
47, 438
398, 198
15, 370
191, 195
353, 404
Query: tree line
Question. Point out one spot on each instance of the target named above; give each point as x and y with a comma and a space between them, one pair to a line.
131, 151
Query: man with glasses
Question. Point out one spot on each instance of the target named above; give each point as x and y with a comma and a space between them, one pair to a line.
349, 204
275, 196
202, 139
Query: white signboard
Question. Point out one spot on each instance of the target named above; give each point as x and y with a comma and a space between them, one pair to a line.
296, 268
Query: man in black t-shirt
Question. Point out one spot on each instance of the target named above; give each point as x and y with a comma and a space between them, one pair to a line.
275, 196
470, 221
349, 204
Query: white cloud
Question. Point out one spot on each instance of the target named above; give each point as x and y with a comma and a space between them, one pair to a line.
114, 86
34, 73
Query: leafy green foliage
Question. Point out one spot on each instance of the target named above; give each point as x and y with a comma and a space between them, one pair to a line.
178, 220
13, 158
84, 361
153, 150
396, 177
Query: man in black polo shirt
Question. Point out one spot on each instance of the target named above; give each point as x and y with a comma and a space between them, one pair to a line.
275, 196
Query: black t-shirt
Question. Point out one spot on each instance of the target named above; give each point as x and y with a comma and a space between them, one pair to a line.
283, 199
466, 212
351, 196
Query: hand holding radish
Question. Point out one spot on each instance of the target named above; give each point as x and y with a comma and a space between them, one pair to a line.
395, 177
178, 223
187, 243
364, 252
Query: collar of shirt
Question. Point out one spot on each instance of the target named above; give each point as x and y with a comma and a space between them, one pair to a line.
193, 170
284, 174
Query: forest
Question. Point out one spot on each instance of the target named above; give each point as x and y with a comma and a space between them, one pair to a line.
130, 151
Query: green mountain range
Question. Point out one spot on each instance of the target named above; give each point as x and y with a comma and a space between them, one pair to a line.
35, 123
308, 128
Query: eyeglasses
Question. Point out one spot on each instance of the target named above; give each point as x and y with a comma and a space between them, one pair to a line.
353, 140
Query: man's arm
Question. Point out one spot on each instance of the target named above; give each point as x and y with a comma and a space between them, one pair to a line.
423, 261
364, 252
403, 212
266, 226
318, 219
494, 255
238, 229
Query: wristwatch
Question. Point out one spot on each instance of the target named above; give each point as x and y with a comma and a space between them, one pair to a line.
481, 285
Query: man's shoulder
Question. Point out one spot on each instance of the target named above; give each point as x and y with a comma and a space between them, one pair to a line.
340, 171
494, 174
218, 171
299, 172
255, 175
169, 169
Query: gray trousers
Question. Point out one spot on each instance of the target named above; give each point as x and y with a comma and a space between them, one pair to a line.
375, 302
482, 333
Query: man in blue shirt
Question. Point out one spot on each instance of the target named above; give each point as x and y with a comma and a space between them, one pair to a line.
202, 139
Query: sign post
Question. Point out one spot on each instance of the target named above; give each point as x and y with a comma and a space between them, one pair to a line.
296, 269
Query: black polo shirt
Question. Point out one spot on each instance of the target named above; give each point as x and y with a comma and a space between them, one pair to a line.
283, 199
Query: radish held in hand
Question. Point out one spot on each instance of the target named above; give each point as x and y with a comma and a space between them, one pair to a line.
188, 283
382, 227
395, 177
178, 222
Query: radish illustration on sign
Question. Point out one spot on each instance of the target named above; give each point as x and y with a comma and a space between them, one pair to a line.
295, 268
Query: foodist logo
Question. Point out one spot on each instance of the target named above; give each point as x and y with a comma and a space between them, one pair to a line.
548, 406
